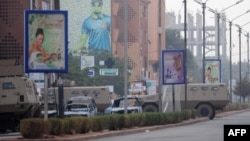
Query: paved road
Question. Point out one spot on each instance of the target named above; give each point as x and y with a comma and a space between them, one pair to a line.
211, 130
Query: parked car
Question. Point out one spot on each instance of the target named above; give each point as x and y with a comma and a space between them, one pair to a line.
80, 106
118, 106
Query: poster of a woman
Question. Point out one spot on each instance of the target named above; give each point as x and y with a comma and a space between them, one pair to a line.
46, 41
173, 67
212, 73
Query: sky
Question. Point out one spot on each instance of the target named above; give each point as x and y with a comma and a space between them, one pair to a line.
236, 10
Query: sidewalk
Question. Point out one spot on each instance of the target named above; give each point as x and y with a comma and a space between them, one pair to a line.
106, 133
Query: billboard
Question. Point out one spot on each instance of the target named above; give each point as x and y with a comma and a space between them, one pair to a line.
87, 61
212, 71
46, 41
173, 70
89, 25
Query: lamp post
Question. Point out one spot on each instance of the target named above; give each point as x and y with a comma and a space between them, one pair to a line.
218, 23
204, 38
247, 36
240, 30
125, 15
185, 45
230, 51
240, 59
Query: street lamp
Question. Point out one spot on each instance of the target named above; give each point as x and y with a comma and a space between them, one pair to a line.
240, 30
247, 36
204, 39
185, 45
230, 50
218, 23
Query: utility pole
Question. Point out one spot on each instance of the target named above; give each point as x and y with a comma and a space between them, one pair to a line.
160, 56
185, 45
125, 42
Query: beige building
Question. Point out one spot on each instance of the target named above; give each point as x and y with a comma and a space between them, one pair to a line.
146, 34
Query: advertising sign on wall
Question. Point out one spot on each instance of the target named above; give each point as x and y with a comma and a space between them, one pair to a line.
87, 61
212, 71
89, 25
46, 40
173, 71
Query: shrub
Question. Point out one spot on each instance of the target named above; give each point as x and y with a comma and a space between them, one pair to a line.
32, 128
96, 123
57, 126
85, 124
128, 121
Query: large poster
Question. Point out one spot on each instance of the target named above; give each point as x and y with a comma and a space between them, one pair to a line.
46, 41
89, 25
173, 70
212, 71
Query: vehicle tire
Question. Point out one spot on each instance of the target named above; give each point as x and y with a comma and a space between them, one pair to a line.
38, 112
206, 110
150, 108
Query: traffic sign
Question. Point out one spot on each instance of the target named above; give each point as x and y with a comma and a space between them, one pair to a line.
109, 72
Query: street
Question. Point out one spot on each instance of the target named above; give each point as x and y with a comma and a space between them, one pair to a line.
203, 131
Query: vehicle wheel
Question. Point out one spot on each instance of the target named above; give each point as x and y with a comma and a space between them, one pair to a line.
38, 112
150, 108
206, 110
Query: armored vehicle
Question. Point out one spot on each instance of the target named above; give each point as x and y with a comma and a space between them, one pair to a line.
18, 96
100, 94
205, 98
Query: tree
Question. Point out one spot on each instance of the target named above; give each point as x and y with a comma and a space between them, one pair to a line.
175, 41
81, 77
242, 90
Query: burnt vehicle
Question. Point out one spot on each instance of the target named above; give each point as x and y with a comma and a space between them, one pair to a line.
81, 106
132, 104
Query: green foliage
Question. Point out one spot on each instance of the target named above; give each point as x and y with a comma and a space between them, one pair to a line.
85, 123
242, 88
128, 121
32, 128
236, 106
97, 123
82, 79
75, 124
175, 41
57, 126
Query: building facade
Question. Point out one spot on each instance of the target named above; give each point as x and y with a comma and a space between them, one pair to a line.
145, 36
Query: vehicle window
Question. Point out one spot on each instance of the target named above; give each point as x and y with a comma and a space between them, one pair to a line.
122, 103
94, 105
8, 85
214, 88
50, 93
91, 107
75, 92
85, 92
77, 106
204, 88
132, 102
96, 92
116, 103
193, 89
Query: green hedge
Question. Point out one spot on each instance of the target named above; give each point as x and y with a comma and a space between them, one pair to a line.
37, 127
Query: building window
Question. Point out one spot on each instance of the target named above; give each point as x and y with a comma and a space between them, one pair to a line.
144, 11
8, 85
